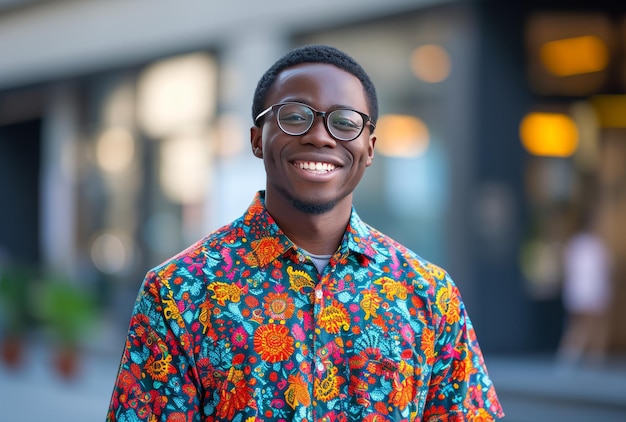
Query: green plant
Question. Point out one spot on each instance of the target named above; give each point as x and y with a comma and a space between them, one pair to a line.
15, 312
66, 308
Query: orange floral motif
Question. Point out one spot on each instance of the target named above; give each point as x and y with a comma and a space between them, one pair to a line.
423, 271
226, 291
328, 388
374, 417
299, 279
427, 345
177, 417
298, 392
334, 317
436, 271
449, 305
205, 314
235, 376
436, 414
167, 271
279, 305
403, 393
370, 302
263, 251
254, 210
234, 400
159, 369
480, 415
273, 343
171, 310
406, 369
392, 288
460, 373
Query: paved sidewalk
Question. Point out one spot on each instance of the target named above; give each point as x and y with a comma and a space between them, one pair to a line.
534, 389
35, 392
531, 389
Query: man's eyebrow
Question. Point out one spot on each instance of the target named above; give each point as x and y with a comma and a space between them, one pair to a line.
332, 107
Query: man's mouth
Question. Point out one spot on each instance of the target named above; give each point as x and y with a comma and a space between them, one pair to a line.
315, 166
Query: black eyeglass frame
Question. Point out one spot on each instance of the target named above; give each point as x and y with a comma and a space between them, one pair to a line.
367, 120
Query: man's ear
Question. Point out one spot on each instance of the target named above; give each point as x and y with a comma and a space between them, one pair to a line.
256, 141
370, 150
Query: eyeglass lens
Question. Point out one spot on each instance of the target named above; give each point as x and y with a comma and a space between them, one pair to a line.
297, 119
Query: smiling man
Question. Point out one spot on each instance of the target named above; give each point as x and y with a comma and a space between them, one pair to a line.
298, 310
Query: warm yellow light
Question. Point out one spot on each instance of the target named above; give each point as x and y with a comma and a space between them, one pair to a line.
176, 94
401, 136
112, 252
549, 134
430, 63
115, 149
574, 56
185, 168
610, 110
229, 135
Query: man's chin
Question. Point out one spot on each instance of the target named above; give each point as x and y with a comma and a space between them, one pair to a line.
312, 208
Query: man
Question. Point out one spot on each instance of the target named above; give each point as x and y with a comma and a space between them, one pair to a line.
299, 311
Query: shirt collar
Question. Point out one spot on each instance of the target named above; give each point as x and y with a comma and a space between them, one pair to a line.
357, 238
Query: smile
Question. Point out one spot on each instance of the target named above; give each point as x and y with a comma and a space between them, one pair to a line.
315, 166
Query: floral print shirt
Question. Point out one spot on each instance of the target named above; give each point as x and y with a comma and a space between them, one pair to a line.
242, 327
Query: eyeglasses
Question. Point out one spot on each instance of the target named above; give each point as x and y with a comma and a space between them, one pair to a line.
343, 124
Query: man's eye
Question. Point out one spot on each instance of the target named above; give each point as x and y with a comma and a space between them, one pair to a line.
345, 124
293, 118
345, 120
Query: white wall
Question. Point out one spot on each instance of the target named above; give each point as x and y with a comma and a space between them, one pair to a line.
53, 39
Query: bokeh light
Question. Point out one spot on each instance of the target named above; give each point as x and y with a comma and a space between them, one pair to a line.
185, 167
401, 136
176, 93
115, 149
549, 134
430, 63
112, 252
574, 56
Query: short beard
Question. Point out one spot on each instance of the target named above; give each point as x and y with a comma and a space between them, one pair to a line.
312, 209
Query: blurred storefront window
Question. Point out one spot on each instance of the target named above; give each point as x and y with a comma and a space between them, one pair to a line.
575, 59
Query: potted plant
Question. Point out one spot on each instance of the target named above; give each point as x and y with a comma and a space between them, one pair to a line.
15, 316
68, 311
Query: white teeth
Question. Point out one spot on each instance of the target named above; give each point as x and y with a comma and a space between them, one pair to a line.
317, 166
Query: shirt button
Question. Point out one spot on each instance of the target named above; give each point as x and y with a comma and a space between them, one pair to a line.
319, 294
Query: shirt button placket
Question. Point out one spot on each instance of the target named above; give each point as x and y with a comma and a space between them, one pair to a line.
318, 371
318, 292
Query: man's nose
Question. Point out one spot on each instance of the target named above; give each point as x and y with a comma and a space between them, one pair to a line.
318, 135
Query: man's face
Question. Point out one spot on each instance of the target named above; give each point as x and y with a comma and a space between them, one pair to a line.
313, 172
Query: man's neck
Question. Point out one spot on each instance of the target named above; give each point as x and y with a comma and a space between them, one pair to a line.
318, 234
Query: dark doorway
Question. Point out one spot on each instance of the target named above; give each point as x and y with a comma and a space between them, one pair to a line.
20, 159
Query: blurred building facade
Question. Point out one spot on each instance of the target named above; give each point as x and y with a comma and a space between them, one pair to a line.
124, 137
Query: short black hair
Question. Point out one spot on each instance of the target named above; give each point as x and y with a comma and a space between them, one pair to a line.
314, 53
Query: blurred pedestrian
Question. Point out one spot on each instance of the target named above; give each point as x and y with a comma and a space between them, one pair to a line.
298, 310
586, 294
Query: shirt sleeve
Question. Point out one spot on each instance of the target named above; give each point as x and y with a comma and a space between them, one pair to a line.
155, 381
460, 388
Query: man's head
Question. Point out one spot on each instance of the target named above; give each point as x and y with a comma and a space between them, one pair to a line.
313, 130
314, 54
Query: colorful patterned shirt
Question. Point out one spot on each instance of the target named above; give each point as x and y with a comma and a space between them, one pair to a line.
242, 327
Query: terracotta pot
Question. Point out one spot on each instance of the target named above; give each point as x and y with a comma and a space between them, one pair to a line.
67, 362
12, 351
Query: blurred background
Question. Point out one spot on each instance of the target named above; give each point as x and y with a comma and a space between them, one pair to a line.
124, 130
